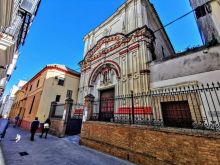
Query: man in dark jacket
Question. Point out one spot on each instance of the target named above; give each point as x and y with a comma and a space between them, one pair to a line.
17, 118
34, 127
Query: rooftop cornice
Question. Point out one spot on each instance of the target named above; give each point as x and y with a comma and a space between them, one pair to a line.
117, 12
53, 67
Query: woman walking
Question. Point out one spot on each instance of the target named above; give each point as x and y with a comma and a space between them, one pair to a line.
45, 128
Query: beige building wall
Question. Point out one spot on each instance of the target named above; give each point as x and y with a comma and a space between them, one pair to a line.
51, 89
18, 106
43, 89
216, 14
6, 11
32, 90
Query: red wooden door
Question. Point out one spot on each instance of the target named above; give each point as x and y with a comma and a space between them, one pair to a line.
107, 105
176, 114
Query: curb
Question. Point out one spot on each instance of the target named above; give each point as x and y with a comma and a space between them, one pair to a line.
2, 160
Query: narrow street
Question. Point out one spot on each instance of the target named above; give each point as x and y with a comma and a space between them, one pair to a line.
51, 151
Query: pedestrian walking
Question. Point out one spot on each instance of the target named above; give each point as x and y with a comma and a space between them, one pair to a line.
4, 123
34, 126
17, 118
46, 127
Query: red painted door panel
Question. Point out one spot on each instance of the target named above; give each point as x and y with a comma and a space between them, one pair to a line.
176, 114
107, 105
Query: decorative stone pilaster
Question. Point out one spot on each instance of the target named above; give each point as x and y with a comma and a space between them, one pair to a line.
88, 110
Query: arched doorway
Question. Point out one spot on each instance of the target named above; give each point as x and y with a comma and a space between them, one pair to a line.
103, 82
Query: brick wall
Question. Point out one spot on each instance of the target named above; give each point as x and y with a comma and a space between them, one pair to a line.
145, 145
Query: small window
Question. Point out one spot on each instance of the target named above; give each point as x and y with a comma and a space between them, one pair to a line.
30, 88
154, 57
61, 81
57, 98
163, 51
69, 94
38, 83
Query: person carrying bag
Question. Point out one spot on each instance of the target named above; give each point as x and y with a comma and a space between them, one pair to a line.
46, 127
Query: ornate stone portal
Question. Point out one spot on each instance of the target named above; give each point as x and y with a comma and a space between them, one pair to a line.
121, 64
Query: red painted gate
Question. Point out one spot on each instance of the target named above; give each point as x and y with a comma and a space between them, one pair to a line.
177, 114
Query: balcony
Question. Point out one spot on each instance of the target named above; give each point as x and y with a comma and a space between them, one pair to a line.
6, 10
3, 82
6, 49
12, 66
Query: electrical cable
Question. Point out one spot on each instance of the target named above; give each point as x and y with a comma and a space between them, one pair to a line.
181, 17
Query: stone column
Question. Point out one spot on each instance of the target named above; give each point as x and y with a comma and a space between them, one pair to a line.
89, 99
52, 108
68, 109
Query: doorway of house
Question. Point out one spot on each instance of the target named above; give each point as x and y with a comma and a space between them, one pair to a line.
106, 112
176, 114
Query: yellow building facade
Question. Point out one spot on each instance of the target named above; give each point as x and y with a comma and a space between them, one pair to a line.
18, 107
53, 83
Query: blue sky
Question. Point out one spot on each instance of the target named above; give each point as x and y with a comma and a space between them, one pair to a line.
56, 36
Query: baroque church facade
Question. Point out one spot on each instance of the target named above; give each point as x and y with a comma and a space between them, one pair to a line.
118, 52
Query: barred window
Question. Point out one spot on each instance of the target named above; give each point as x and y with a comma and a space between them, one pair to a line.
61, 81
57, 98
201, 11
69, 94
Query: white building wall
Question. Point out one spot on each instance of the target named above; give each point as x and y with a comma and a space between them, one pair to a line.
202, 66
6, 108
18, 13
131, 15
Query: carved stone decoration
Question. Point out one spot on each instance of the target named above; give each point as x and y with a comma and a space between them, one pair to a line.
106, 32
105, 71
106, 76
136, 76
119, 40
124, 79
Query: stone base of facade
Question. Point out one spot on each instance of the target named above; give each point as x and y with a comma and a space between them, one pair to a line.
25, 125
144, 145
57, 127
